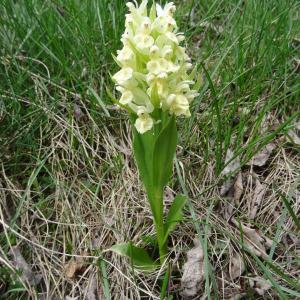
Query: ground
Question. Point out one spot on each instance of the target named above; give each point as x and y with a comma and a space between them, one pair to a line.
69, 187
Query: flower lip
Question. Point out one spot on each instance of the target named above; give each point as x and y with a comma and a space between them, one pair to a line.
154, 52
143, 41
143, 123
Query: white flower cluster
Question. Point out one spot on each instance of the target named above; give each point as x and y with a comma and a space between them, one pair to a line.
154, 67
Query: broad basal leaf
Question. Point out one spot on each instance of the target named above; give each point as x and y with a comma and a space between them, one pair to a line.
139, 257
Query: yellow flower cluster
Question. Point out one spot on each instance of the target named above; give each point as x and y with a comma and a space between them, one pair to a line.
154, 67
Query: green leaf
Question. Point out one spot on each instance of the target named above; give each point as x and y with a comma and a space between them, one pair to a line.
143, 153
154, 152
175, 214
139, 257
163, 154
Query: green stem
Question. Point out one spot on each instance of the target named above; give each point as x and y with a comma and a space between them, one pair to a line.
162, 246
159, 226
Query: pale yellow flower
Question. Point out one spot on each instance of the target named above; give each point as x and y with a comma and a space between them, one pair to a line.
125, 78
137, 100
154, 66
143, 42
126, 57
143, 123
178, 104
168, 10
163, 24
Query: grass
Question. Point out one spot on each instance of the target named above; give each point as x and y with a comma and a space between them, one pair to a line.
68, 182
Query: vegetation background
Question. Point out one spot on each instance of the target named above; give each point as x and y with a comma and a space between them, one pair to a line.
69, 187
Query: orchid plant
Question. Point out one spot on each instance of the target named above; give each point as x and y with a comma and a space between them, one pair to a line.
155, 83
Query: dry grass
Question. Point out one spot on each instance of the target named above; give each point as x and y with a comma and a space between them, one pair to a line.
98, 201
69, 187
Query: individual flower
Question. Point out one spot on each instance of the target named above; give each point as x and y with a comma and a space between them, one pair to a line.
125, 78
154, 65
126, 57
143, 123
